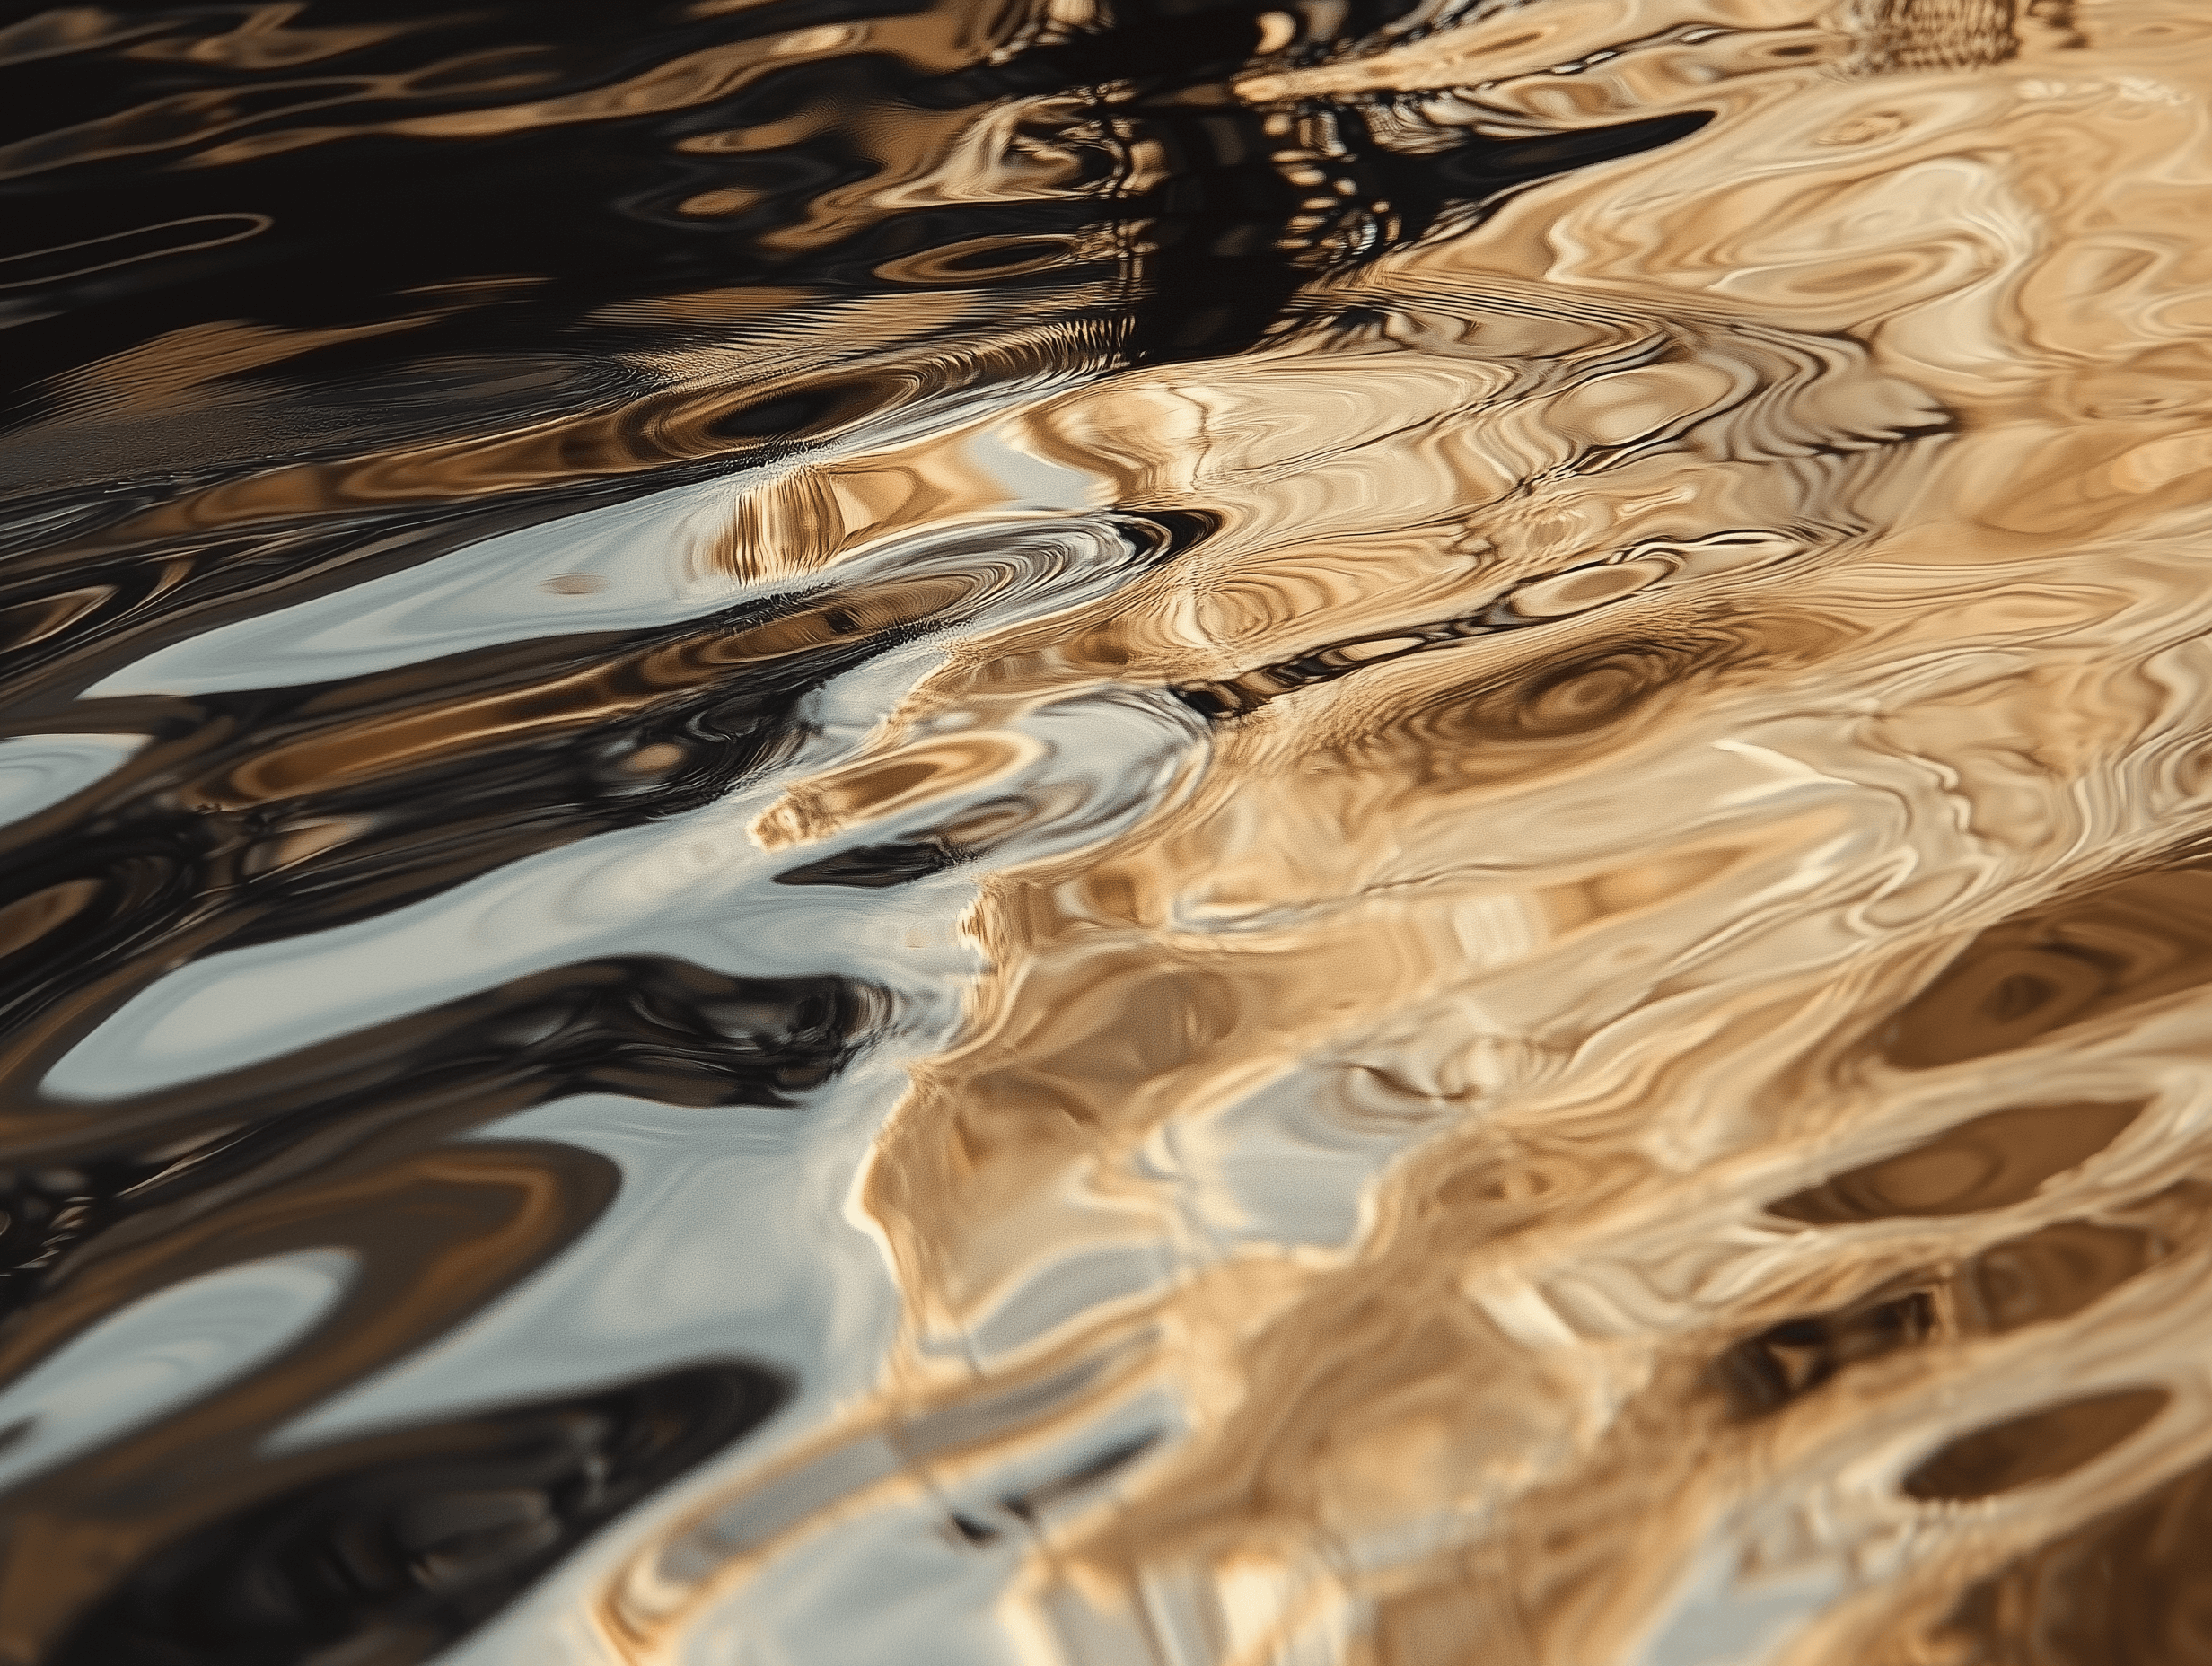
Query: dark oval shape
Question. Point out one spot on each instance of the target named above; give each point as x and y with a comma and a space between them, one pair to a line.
791, 415
2039, 1447
1579, 696
878, 867
2079, 957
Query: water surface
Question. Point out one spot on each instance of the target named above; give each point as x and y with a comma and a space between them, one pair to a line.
1066, 833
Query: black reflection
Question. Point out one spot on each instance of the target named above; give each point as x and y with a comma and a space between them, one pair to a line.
395, 1545
878, 867
654, 1027
478, 184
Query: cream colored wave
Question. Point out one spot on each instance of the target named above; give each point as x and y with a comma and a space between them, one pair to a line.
1551, 959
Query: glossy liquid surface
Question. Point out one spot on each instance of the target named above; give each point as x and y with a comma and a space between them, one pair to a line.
1080, 835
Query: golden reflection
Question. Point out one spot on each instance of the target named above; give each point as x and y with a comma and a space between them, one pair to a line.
1663, 1055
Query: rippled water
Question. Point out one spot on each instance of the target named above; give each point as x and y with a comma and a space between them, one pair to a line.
1081, 834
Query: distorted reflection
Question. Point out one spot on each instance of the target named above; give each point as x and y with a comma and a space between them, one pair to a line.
1370, 834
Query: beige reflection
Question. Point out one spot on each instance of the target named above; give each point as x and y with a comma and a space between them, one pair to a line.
1675, 1127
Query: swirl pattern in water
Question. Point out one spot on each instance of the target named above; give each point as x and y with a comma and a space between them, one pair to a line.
1107, 833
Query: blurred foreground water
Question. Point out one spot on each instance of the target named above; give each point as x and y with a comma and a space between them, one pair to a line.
1107, 833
